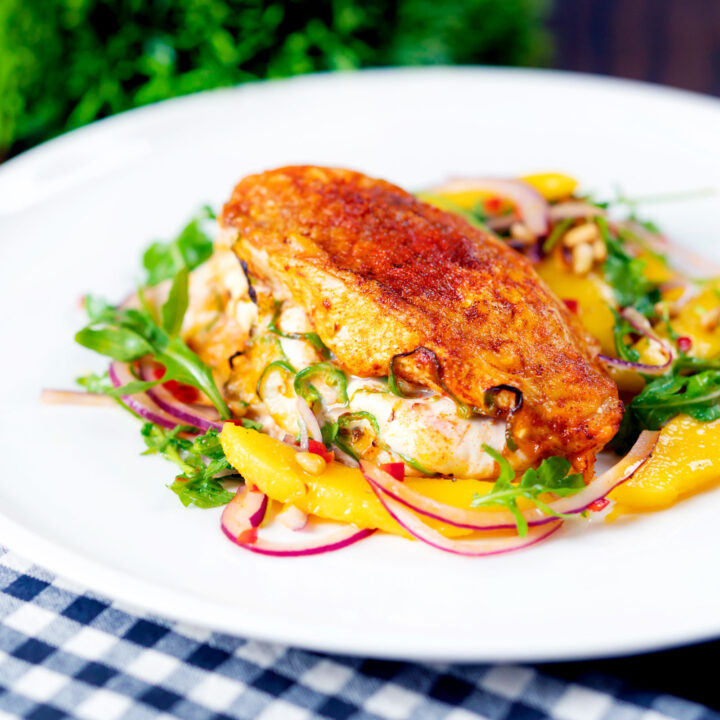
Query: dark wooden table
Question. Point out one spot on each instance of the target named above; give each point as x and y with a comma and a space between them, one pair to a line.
673, 42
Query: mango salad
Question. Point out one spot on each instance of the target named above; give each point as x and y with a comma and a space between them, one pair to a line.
236, 384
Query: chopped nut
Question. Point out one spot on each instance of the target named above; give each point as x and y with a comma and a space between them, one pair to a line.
600, 250
310, 462
582, 259
711, 319
519, 231
585, 233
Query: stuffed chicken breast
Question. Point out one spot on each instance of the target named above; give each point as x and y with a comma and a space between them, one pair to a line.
410, 334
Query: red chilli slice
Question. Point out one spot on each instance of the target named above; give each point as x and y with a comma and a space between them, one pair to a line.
684, 344
319, 448
572, 305
395, 470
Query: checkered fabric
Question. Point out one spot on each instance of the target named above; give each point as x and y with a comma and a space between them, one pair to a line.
66, 653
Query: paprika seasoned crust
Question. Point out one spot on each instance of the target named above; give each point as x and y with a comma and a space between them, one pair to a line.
382, 274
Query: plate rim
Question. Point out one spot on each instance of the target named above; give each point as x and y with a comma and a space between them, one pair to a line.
126, 588
596, 79
119, 586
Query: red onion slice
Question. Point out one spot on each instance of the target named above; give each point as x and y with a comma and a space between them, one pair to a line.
529, 203
139, 403
474, 547
336, 541
199, 416
309, 425
641, 324
574, 209
342, 457
689, 290
293, 518
244, 512
474, 519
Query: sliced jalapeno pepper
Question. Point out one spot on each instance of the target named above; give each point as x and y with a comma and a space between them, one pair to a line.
310, 337
463, 410
333, 376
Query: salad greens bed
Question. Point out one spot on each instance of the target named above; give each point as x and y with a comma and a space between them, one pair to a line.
690, 386
130, 334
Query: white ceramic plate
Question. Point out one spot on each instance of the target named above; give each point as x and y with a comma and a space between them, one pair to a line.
75, 495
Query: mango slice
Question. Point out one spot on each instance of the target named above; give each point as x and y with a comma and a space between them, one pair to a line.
686, 460
691, 322
589, 291
340, 493
552, 186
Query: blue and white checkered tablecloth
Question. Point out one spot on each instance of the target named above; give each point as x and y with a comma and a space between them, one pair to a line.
66, 653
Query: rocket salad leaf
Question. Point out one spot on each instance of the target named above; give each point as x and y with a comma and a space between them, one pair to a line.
552, 475
662, 399
626, 274
129, 334
192, 247
173, 311
200, 461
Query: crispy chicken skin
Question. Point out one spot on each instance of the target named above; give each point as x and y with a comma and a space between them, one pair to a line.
382, 274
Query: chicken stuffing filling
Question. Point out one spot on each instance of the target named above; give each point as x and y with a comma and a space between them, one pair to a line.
274, 370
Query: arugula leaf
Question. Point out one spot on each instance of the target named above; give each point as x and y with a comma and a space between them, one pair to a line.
128, 335
550, 476
621, 330
695, 364
192, 247
204, 492
665, 397
626, 274
200, 460
676, 393
119, 343
556, 233
131, 388
173, 311
97, 308
94, 383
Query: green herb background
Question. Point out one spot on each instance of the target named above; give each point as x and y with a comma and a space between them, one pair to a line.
65, 63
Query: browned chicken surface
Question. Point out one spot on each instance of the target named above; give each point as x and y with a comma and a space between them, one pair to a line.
382, 274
